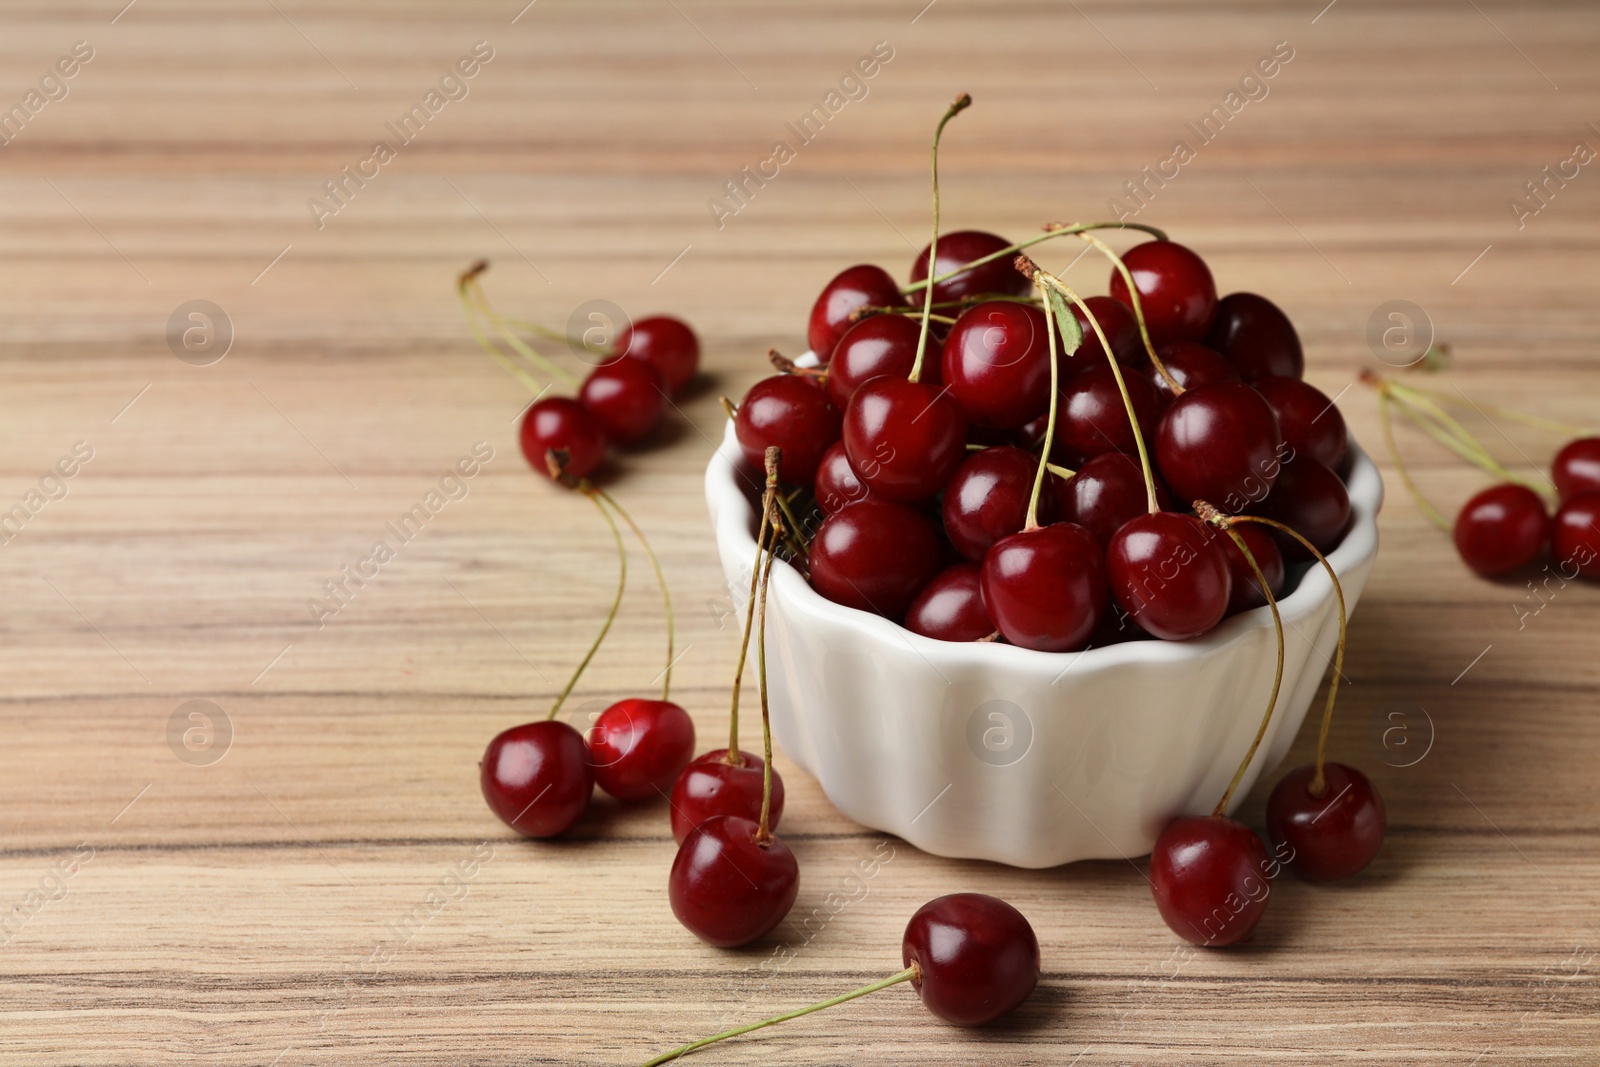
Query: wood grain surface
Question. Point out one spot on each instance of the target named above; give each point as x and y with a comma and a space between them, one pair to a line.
333, 891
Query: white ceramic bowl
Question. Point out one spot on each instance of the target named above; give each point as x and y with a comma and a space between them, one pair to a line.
990, 751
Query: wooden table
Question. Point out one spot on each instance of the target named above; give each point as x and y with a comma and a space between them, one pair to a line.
333, 889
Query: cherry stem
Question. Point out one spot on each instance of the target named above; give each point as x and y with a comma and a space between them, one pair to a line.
908, 975
1538, 422
528, 326
471, 313
661, 582
1060, 471
470, 285
1449, 432
622, 583
729, 408
1319, 784
763, 832
791, 532
960, 104
734, 759
1054, 229
1224, 523
1138, 311
1024, 264
1386, 421
869, 310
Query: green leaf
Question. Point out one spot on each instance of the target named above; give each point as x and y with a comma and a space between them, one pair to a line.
1071, 330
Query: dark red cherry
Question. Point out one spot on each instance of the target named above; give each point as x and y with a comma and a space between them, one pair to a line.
627, 398
711, 786
904, 439
1168, 572
1092, 418
1309, 422
875, 556
1209, 878
997, 364
1246, 587
667, 344
1502, 529
1106, 492
876, 346
537, 778
977, 957
1219, 443
837, 483
1176, 292
727, 887
1191, 366
950, 608
1121, 329
1256, 337
1328, 837
792, 412
1575, 536
855, 287
639, 748
1577, 468
1310, 499
987, 498
964, 246
563, 425
1046, 588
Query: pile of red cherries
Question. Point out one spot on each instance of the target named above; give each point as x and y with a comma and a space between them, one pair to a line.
1508, 528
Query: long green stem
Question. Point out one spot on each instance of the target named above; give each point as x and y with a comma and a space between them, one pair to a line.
510, 337
1537, 422
1424, 505
1055, 230
734, 758
616, 603
1055, 398
1138, 311
527, 326
661, 581
960, 104
489, 346
763, 831
907, 975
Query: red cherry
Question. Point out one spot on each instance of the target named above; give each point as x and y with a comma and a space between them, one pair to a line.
1331, 836
863, 285
1502, 529
639, 747
1577, 468
1169, 573
987, 498
1219, 443
1176, 292
977, 957
1045, 588
712, 786
1209, 877
537, 778
950, 608
1121, 329
1246, 587
1093, 419
792, 412
877, 346
1311, 500
904, 439
563, 425
875, 556
1256, 337
667, 344
728, 888
837, 483
997, 364
1191, 366
964, 246
1106, 492
1309, 422
1575, 536
627, 398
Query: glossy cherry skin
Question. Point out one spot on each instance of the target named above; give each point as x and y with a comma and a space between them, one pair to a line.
1219, 443
1176, 292
837, 483
1092, 418
863, 285
1576, 468
1210, 879
667, 344
727, 888
1191, 366
1255, 336
563, 425
639, 748
792, 412
537, 778
997, 364
877, 346
987, 499
1046, 588
904, 439
1170, 574
1106, 492
950, 607
1309, 422
977, 956
712, 786
1502, 529
875, 556
1121, 329
627, 398
1310, 499
1331, 836
964, 246
1246, 586
1575, 536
